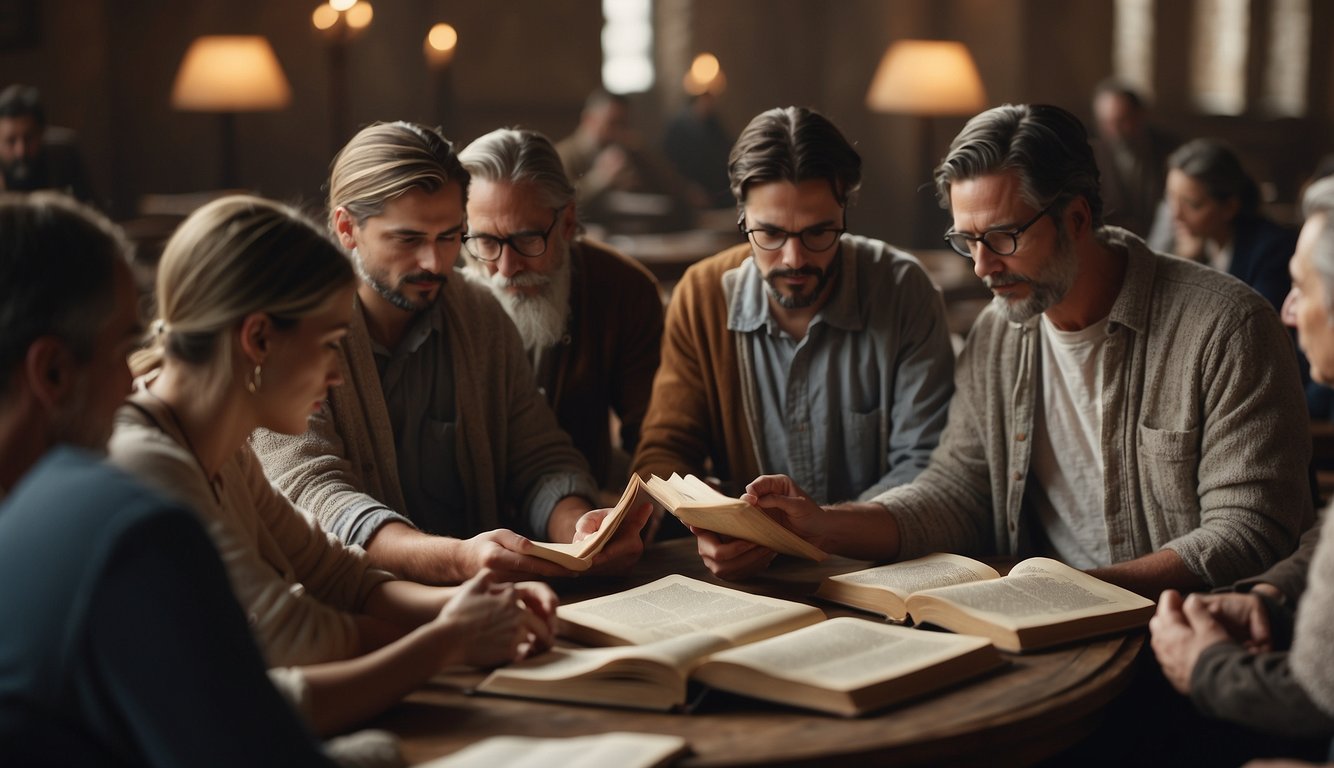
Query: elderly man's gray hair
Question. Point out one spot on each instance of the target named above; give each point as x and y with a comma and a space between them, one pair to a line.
1319, 201
518, 156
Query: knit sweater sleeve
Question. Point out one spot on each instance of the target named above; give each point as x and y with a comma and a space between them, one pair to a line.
1313, 641
1253, 498
290, 625
337, 575
1256, 690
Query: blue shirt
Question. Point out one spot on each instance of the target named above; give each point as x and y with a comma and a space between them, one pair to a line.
856, 406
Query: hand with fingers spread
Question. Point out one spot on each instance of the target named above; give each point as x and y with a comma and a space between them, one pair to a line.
1181, 630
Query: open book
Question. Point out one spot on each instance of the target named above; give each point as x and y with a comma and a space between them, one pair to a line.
758, 646
679, 606
1040, 603
695, 503
619, 748
578, 555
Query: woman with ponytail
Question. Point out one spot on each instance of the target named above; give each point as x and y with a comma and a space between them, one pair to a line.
252, 301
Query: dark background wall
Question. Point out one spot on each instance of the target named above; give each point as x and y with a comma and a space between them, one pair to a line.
106, 69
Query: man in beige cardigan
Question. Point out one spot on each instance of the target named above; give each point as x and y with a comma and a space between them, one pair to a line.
438, 455
1124, 411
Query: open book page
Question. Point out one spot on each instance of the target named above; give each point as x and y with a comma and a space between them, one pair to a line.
618, 748
937, 570
578, 555
678, 605
1039, 591
848, 666
647, 677
885, 588
559, 664
846, 653
678, 491
695, 503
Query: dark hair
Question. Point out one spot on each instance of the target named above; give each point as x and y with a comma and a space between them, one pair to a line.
793, 144
20, 100
1118, 87
1045, 145
57, 263
1213, 163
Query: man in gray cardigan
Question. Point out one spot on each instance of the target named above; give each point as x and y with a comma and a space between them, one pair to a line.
1124, 411
438, 455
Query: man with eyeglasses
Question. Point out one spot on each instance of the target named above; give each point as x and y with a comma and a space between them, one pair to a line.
1124, 411
437, 455
806, 351
590, 318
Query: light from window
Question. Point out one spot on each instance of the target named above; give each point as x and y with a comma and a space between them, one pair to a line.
1218, 62
1132, 43
1284, 94
627, 45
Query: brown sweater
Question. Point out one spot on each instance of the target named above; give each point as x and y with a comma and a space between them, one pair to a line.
705, 412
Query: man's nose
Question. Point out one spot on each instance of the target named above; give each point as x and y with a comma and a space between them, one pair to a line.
437, 257
985, 261
793, 253
510, 262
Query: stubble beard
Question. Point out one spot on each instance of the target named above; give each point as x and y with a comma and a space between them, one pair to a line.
1046, 289
395, 295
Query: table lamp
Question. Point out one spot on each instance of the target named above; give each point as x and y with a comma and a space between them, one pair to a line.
926, 79
227, 74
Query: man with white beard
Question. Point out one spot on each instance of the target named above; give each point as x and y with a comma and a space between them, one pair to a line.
590, 318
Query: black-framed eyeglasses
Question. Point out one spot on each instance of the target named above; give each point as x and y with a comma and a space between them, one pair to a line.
813, 239
1002, 242
527, 244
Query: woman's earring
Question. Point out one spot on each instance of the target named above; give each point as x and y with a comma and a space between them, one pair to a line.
256, 381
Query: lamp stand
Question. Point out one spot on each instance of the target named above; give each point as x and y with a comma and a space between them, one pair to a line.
227, 130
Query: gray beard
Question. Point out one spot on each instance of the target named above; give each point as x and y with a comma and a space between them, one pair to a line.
1046, 289
540, 318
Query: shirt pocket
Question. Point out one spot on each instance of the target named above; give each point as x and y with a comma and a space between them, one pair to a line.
863, 455
1170, 460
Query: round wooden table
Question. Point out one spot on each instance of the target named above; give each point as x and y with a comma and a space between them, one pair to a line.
1036, 706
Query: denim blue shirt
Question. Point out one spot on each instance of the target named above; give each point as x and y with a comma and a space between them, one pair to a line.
858, 404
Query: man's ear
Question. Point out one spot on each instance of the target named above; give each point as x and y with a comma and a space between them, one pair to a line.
49, 370
569, 222
1079, 217
255, 335
343, 224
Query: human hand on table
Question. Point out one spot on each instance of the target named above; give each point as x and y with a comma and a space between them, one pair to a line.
1180, 631
495, 622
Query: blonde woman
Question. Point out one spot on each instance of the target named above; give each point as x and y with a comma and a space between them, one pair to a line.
252, 302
